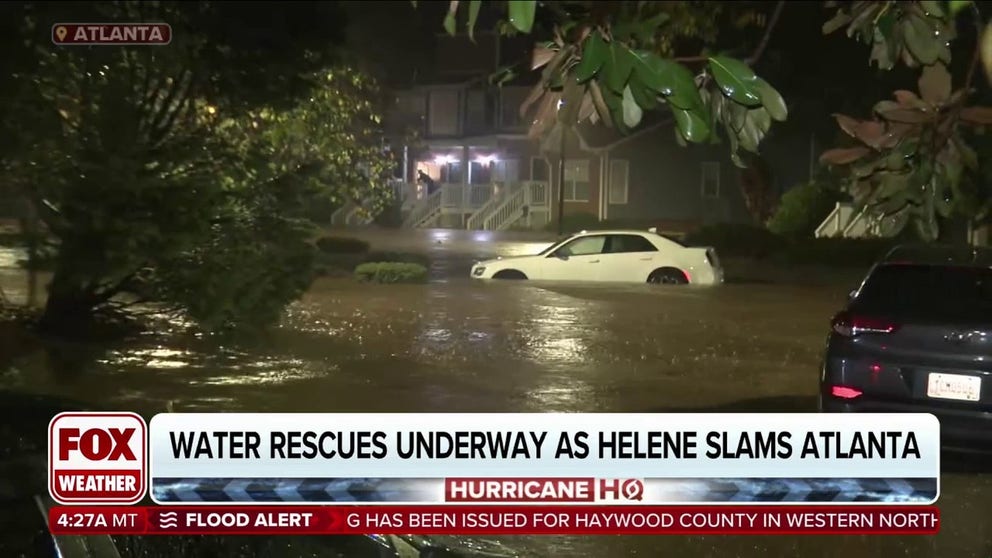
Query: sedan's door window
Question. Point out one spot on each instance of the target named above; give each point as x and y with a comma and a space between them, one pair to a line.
585, 246
625, 243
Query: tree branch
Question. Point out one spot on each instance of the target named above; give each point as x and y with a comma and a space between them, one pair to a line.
759, 50
976, 57
763, 44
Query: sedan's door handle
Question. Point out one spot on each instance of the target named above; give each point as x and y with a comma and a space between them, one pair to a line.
646, 259
594, 261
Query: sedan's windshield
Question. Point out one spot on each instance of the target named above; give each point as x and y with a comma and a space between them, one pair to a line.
554, 245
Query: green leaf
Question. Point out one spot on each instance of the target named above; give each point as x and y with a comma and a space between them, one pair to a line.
473, 16
618, 66
593, 55
920, 40
644, 95
449, 23
522, 14
671, 79
932, 8
692, 126
956, 6
772, 100
736, 80
632, 113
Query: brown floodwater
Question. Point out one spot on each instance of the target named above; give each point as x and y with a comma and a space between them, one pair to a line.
458, 345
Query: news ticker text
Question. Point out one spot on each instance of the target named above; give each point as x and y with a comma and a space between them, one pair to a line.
493, 520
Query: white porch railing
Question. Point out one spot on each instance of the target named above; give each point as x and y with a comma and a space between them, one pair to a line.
424, 212
836, 222
530, 200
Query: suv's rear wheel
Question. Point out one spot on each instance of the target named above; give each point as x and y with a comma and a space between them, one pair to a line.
667, 276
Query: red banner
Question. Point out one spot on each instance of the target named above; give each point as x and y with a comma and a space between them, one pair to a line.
494, 520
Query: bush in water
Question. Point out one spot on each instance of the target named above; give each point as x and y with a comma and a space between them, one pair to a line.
391, 272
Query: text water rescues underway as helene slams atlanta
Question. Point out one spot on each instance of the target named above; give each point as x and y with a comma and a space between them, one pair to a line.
534, 445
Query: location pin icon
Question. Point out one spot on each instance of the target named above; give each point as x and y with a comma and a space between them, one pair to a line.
61, 32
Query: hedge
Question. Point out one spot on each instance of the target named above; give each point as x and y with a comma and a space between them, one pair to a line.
391, 272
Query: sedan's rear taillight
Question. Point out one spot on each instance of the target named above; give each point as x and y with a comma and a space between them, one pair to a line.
851, 325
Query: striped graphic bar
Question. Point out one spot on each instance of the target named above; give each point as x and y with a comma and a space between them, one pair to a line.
544, 490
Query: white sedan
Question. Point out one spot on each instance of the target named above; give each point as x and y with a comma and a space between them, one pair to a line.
621, 256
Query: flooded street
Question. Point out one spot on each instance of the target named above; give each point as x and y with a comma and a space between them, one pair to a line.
458, 345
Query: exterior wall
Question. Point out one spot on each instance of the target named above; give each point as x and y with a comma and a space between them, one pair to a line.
665, 183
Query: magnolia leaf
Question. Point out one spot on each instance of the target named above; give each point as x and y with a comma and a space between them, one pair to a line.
908, 98
673, 80
736, 80
632, 113
905, 115
692, 127
587, 110
522, 14
449, 19
541, 56
593, 55
599, 100
535, 94
473, 16
618, 66
772, 101
932, 8
839, 20
921, 40
843, 155
935, 84
868, 131
985, 48
977, 115
957, 5
645, 96
926, 227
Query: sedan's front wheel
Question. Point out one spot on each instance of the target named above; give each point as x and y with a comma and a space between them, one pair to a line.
667, 276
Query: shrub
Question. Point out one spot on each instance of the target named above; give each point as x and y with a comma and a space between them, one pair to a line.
391, 272
342, 245
733, 240
803, 208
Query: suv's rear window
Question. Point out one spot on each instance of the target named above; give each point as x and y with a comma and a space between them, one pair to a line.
928, 292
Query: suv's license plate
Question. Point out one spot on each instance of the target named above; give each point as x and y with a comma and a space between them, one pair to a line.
954, 386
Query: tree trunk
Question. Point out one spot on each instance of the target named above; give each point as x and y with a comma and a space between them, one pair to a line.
70, 306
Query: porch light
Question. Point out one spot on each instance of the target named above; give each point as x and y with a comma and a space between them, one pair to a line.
486, 159
444, 160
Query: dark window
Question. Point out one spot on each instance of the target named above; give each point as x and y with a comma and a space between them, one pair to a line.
928, 292
584, 246
622, 243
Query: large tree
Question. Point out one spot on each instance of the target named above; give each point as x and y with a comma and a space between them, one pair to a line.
911, 163
182, 174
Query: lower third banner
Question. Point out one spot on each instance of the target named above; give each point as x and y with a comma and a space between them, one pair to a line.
493, 520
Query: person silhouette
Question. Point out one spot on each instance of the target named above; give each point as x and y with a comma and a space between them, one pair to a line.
427, 180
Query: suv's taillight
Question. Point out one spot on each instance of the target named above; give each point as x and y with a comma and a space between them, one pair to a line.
850, 325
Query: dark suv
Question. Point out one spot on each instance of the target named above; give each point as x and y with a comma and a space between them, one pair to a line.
916, 336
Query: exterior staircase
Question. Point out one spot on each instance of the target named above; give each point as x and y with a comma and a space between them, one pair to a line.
425, 212
847, 222
524, 201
